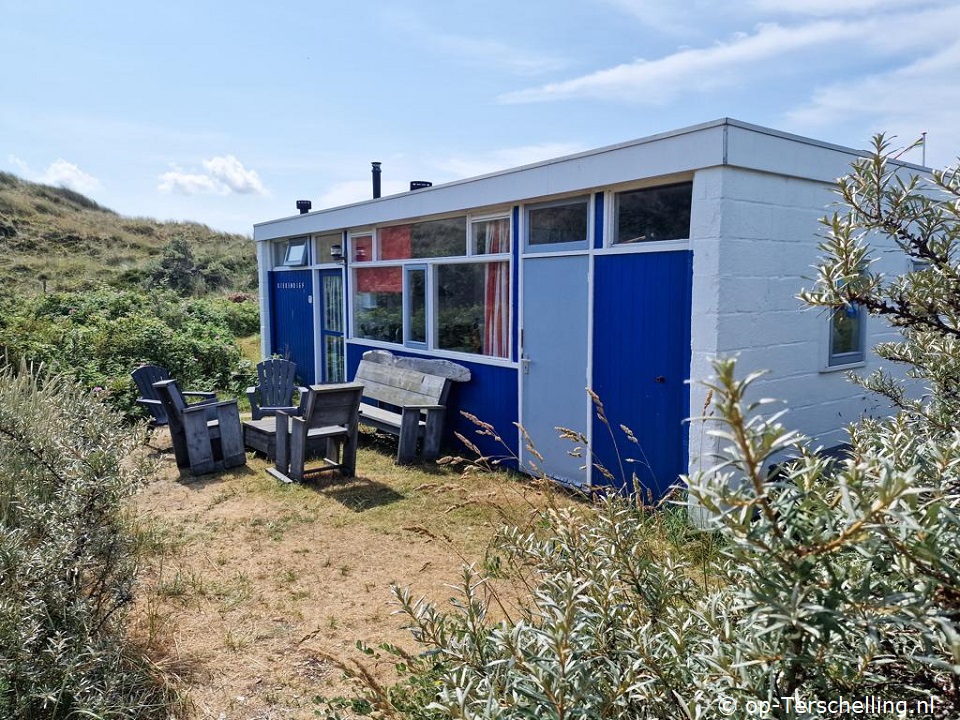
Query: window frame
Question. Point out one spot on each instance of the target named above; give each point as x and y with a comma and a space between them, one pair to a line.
846, 360
568, 246
429, 266
613, 215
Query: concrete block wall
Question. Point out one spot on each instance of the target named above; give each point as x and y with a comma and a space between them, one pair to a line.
755, 240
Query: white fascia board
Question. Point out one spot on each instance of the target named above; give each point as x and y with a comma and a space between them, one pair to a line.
667, 154
721, 142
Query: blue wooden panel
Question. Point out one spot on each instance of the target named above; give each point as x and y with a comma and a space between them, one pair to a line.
491, 395
641, 365
291, 309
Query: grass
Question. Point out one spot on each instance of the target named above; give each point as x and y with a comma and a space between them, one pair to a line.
55, 239
269, 587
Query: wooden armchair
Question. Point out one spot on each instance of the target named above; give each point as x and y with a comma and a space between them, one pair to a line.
276, 382
330, 415
145, 376
206, 437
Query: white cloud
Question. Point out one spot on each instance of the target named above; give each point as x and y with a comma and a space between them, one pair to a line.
60, 173
225, 175
231, 172
184, 183
657, 82
840, 43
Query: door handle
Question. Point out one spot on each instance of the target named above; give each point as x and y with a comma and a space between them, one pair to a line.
525, 365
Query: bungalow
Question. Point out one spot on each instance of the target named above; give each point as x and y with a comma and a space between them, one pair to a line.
623, 270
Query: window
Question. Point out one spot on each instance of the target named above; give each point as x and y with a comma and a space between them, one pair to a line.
325, 244
436, 284
490, 236
847, 336
431, 238
415, 310
651, 214
362, 248
378, 304
556, 223
473, 308
296, 253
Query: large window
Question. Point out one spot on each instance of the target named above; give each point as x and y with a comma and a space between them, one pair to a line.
652, 214
436, 284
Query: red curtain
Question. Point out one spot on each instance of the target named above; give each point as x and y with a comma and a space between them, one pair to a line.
496, 301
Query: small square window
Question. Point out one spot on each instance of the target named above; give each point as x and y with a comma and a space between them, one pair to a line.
296, 253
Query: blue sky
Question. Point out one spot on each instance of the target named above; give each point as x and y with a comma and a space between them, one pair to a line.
228, 112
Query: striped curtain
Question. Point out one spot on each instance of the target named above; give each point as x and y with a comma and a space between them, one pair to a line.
496, 302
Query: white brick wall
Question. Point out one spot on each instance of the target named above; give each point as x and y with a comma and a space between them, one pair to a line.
754, 239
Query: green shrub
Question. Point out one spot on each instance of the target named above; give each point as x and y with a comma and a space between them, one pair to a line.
67, 557
99, 337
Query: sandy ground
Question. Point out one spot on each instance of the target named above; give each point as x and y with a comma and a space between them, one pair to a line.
258, 592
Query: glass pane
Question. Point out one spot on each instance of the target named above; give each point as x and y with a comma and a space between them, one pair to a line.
557, 223
333, 352
296, 253
362, 248
845, 336
491, 236
661, 213
417, 305
432, 238
395, 242
473, 308
325, 243
378, 304
333, 303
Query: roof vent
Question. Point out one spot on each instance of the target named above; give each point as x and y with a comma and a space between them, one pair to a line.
420, 184
304, 206
375, 172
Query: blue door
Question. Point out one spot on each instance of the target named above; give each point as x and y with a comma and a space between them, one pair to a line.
331, 326
553, 363
291, 303
641, 368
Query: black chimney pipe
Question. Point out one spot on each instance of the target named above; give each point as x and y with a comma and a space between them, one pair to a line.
376, 179
304, 206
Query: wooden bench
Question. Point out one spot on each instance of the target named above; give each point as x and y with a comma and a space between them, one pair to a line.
405, 402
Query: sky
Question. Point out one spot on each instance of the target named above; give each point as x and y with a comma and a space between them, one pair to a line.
227, 113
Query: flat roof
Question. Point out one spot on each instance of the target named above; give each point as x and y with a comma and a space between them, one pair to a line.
677, 152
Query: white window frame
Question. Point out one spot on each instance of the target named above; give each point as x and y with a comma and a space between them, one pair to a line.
563, 247
845, 361
430, 265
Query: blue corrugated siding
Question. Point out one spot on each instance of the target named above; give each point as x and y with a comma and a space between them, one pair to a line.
641, 364
491, 395
292, 320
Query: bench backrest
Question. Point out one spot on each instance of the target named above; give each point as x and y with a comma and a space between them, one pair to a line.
400, 386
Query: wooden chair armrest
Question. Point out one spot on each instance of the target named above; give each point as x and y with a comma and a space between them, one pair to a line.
149, 401
425, 407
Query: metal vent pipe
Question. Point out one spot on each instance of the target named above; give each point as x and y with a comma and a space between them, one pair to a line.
376, 179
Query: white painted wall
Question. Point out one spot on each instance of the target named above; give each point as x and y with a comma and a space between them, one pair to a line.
755, 238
